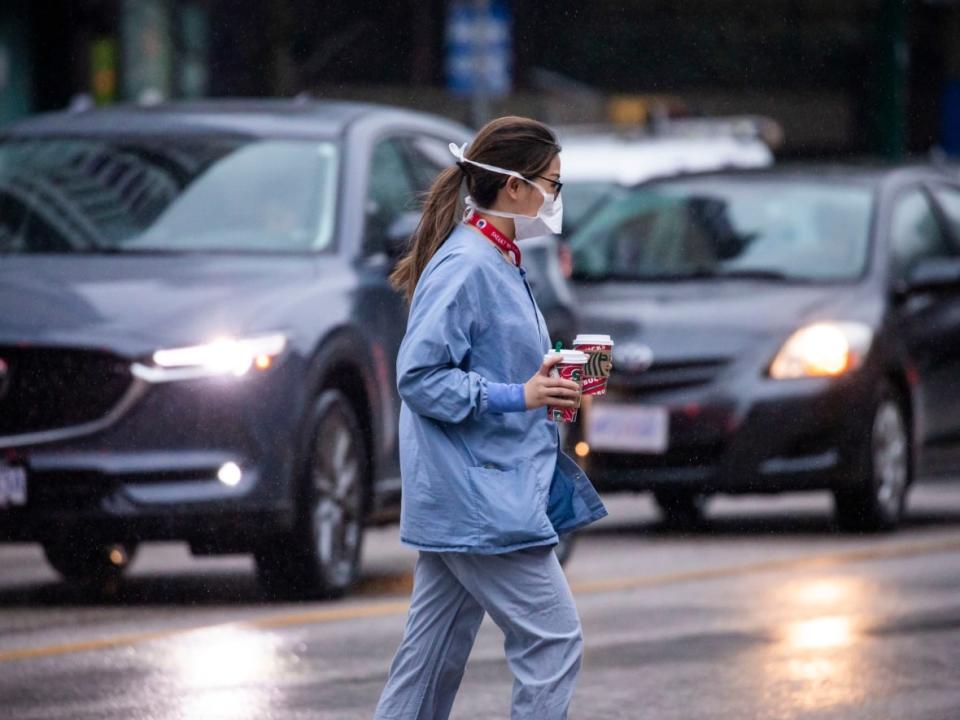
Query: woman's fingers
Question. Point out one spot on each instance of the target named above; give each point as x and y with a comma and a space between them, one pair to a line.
561, 383
568, 389
548, 363
545, 390
562, 393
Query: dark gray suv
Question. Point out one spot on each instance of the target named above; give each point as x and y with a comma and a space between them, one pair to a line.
197, 335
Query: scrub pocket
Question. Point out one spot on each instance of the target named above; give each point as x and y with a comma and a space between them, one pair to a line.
560, 501
508, 506
574, 501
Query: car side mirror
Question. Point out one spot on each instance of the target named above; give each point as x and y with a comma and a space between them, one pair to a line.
399, 232
934, 274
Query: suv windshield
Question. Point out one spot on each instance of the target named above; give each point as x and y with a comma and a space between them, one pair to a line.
166, 195
723, 226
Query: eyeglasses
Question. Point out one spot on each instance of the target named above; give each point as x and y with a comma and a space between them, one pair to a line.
557, 185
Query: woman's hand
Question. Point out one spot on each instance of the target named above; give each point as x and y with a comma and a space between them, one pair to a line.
542, 390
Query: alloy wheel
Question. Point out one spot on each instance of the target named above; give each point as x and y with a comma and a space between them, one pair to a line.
890, 456
873, 501
337, 497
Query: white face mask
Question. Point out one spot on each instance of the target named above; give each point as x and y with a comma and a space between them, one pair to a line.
547, 221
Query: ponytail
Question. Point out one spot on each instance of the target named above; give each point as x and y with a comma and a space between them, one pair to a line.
441, 212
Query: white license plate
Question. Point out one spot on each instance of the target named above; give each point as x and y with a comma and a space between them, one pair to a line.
620, 427
13, 486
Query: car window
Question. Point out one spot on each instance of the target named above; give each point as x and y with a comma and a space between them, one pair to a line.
949, 201
390, 193
915, 233
428, 156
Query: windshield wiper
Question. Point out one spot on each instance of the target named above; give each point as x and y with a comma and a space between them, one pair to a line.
753, 273
740, 274
119, 250
735, 274
605, 277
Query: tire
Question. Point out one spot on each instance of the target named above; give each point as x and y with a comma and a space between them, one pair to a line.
78, 561
876, 502
564, 548
682, 509
321, 556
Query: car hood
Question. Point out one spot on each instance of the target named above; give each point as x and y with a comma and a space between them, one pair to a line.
134, 304
716, 318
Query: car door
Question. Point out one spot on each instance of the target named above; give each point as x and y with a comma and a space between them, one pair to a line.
947, 313
930, 319
390, 197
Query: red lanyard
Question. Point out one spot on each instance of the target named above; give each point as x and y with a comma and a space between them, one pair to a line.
495, 236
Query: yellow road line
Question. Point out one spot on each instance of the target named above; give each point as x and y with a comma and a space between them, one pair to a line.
586, 587
307, 618
331, 615
100, 644
795, 563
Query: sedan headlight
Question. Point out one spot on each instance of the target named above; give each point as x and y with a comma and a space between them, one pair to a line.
824, 349
222, 357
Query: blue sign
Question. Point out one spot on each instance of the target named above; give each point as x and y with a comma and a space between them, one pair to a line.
479, 48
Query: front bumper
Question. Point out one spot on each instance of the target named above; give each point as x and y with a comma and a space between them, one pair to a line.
152, 473
762, 437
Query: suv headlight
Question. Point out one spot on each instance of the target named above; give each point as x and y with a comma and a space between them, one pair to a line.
222, 357
823, 349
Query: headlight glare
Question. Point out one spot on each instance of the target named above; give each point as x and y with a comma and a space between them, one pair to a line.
221, 357
823, 349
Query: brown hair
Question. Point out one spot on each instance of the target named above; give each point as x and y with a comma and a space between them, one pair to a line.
512, 143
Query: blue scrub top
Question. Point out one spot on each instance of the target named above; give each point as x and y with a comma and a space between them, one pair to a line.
480, 472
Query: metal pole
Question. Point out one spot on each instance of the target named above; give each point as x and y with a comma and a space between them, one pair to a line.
894, 59
480, 101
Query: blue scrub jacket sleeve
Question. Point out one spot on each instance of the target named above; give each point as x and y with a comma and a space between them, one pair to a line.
431, 375
505, 397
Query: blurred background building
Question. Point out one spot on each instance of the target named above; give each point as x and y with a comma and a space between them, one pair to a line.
841, 78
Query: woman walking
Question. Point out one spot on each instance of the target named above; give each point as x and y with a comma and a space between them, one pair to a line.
485, 489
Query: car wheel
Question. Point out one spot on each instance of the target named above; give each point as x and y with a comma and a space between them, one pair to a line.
681, 508
878, 500
321, 557
82, 562
564, 548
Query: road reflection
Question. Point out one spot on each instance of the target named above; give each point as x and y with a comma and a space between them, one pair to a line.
826, 591
224, 672
817, 659
824, 632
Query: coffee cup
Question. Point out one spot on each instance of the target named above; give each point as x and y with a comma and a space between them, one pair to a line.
570, 367
599, 348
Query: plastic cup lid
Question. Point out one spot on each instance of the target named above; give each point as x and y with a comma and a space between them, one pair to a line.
570, 357
593, 340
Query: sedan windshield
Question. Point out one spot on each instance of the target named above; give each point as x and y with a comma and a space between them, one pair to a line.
583, 198
728, 227
165, 195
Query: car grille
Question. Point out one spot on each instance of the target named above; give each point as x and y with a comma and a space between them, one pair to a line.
50, 388
69, 491
669, 375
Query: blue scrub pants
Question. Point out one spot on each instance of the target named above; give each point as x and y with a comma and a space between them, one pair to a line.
526, 594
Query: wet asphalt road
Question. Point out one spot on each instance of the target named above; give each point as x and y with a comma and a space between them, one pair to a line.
769, 612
